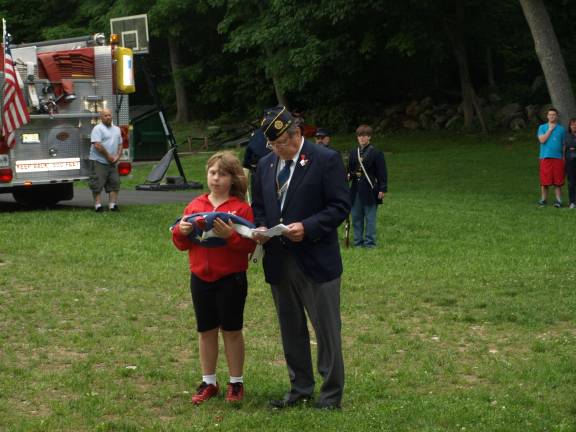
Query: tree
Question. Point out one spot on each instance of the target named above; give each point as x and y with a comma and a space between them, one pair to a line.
550, 57
455, 32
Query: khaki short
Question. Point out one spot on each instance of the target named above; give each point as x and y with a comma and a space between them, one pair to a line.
103, 176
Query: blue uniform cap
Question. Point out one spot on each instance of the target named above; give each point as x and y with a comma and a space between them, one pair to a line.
275, 122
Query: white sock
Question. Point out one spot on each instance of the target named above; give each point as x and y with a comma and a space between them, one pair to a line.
209, 379
234, 380
96, 206
111, 205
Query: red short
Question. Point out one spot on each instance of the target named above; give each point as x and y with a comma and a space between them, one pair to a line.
551, 172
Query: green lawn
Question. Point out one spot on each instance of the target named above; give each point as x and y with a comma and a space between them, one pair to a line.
463, 319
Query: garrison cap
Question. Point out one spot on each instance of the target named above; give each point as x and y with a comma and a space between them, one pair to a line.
275, 122
321, 132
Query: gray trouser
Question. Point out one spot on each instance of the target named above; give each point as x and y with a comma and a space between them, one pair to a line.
295, 295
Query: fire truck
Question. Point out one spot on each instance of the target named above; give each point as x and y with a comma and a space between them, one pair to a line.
66, 83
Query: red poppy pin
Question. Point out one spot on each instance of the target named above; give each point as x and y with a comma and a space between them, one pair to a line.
303, 160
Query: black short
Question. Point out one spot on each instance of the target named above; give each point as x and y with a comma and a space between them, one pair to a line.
219, 303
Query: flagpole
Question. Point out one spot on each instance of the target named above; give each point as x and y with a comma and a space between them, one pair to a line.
3, 75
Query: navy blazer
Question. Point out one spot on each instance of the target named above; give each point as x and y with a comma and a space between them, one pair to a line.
318, 196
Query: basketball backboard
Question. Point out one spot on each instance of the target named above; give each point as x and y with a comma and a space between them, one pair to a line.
133, 32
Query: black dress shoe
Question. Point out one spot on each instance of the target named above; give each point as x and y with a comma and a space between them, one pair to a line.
328, 406
290, 401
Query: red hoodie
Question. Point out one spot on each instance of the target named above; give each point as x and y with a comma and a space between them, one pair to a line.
211, 264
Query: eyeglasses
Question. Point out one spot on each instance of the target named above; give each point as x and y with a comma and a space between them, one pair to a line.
277, 143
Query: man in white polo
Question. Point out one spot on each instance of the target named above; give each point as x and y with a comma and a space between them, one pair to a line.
105, 152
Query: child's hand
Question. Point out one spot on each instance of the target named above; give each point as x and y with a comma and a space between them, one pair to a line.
222, 229
186, 227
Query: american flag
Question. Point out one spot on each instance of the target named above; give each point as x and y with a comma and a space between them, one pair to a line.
14, 110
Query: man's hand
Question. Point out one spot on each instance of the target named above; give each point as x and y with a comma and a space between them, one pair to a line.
222, 229
258, 238
380, 195
295, 232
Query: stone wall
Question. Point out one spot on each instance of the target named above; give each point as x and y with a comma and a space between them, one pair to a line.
428, 115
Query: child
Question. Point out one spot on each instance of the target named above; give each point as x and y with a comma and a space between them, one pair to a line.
367, 172
551, 138
218, 275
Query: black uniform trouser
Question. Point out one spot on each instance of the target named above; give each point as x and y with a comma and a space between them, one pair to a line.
571, 177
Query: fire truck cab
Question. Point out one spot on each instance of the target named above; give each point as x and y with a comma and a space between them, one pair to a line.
66, 83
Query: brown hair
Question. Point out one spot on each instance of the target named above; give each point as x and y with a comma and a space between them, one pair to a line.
364, 129
230, 164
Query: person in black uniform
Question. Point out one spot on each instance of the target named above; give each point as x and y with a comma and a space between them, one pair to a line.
303, 186
369, 182
570, 157
255, 150
323, 137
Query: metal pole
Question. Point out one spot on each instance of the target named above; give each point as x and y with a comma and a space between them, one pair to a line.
167, 130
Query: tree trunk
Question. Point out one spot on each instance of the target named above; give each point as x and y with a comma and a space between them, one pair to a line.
469, 100
179, 88
280, 96
550, 57
490, 68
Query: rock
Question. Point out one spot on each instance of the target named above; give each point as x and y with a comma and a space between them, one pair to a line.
440, 119
410, 124
424, 121
452, 122
393, 110
509, 111
384, 124
517, 123
426, 102
412, 110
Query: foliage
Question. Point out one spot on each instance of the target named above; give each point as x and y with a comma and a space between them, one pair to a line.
336, 59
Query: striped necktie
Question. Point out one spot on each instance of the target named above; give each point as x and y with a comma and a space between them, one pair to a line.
282, 179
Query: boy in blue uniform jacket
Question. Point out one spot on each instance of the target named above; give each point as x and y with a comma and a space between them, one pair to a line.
369, 182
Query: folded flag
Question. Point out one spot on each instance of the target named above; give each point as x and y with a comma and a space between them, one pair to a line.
203, 224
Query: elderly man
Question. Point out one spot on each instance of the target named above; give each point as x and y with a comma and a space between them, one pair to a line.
105, 152
302, 185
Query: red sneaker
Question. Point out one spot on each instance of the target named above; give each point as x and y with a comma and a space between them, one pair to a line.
204, 392
235, 392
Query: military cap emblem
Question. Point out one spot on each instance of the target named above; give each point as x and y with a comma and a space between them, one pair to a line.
276, 121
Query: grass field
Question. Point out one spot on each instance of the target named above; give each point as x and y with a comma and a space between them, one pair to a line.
463, 319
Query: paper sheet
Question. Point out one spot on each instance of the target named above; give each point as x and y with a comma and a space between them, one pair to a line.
272, 232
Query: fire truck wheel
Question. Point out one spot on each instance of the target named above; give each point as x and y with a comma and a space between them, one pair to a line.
44, 195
